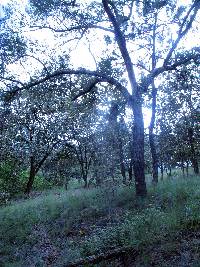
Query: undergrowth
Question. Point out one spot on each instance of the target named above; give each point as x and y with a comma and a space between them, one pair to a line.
82, 222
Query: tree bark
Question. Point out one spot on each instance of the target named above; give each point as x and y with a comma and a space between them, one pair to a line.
193, 152
138, 149
153, 115
121, 156
32, 174
152, 137
34, 168
130, 170
136, 105
182, 167
85, 181
187, 168
162, 171
154, 157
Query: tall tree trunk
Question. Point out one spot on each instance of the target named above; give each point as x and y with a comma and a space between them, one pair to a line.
187, 168
136, 104
153, 115
152, 137
130, 170
193, 152
130, 167
162, 171
138, 149
182, 167
32, 174
84, 175
121, 156
85, 181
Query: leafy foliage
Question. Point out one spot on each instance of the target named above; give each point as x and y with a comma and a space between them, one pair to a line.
10, 181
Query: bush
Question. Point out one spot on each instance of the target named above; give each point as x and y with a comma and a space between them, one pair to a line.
10, 182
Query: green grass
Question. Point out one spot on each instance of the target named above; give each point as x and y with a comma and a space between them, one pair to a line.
83, 222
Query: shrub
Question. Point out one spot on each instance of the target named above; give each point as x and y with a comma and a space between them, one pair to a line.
10, 178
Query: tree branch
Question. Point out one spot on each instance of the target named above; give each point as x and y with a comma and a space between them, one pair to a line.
11, 80
41, 162
88, 89
37, 59
121, 41
157, 71
75, 28
100, 78
182, 32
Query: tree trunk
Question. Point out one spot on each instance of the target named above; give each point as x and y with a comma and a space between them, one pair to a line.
121, 156
187, 168
138, 149
84, 176
169, 171
183, 167
136, 105
130, 167
97, 174
34, 168
193, 152
152, 137
154, 158
130, 170
162, 171
32, 174
195, 165
85, 181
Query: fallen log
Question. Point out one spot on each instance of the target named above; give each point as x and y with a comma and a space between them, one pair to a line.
111, 254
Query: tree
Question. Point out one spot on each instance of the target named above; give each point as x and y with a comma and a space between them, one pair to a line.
179, 111
39, 127
124, 25
12, 43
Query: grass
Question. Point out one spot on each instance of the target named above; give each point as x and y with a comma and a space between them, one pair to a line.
79, 222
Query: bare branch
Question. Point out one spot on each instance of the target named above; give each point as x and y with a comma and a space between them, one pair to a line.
182, 32
131, 10
90, 51
11, 80
37, 59
75, 28
157, 71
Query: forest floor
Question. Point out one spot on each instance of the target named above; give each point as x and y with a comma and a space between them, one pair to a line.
104, 226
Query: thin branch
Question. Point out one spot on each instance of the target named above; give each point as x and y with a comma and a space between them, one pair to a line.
48, 153
157, 71
182, 32
90, 51
37, 59
11, 80
131, 10
75, 28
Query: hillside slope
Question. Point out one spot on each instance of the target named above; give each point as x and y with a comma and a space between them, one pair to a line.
104, 225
